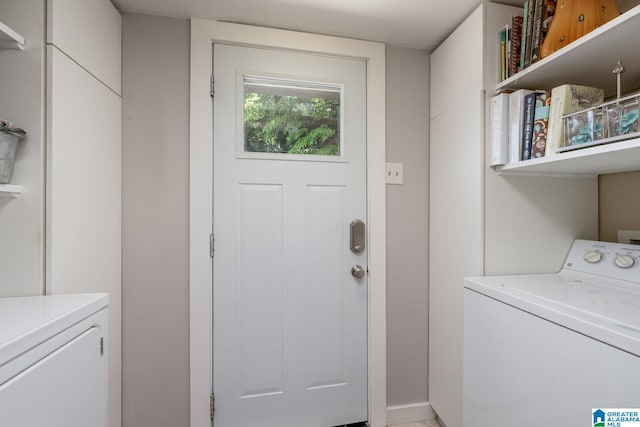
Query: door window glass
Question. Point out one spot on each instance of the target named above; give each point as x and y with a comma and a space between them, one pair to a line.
292, 117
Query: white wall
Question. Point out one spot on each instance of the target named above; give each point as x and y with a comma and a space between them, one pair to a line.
22, 102
155, 223
407, 219
619, 204
155, 193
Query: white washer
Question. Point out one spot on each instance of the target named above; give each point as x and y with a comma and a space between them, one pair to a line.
546, 349
53, 361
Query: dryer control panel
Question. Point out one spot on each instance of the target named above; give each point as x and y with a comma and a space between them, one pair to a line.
617, 260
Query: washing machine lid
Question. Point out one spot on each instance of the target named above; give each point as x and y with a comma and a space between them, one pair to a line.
26, 322
605, 309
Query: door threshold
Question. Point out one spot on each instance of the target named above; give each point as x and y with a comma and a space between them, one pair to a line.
360, 424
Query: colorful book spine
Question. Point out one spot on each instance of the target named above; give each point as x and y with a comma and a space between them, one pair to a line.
527, 124
536, 32
502, 45
523, 40
516, 36
529, 42
543, 16
540, 125
507, 53
568, 99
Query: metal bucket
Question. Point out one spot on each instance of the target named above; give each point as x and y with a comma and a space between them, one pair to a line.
8, 144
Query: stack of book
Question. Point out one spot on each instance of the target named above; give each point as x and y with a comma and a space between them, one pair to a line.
520, 41
509, 43
527, 124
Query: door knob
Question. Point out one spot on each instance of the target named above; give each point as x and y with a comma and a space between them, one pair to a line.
357, 271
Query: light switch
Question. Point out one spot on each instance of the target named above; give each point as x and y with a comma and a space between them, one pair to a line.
394, 173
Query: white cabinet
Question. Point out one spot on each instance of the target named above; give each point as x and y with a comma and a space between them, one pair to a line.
52, 362
455, 198
480, 222
84, 143
80, 214
587, 61
88, 32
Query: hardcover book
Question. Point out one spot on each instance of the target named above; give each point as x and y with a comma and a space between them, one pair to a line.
502, 45
516, 111
529, 38
545, 10
527, 123
567, 99
507, 55
540, 125
499, 131
523, 39
516, 36
536, 28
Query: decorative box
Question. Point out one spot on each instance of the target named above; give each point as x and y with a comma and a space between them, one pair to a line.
610, 122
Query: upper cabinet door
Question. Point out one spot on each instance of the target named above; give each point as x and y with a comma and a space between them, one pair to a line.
89, 32
456, 67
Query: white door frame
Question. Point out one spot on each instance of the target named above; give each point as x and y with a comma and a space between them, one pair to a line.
203, 34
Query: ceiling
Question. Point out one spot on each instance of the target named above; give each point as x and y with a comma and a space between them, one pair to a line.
421, 24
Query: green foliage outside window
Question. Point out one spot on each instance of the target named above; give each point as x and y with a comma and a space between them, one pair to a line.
291, 124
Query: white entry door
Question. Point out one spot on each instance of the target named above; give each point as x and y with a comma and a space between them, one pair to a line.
290, 318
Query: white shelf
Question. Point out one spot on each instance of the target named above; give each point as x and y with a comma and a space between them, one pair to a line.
9, 39
623, 156
589, 60
9, 190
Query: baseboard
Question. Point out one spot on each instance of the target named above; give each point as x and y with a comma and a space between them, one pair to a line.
414, 412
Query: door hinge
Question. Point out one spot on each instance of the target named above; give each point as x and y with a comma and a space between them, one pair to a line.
101, 346
212, 248
212, 405
212, 83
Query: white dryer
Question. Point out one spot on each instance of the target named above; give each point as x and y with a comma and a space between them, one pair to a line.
550, 349
53, 361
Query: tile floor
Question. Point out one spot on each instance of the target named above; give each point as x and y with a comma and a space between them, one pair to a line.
433, 423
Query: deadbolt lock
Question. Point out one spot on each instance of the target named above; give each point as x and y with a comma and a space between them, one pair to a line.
357, 240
